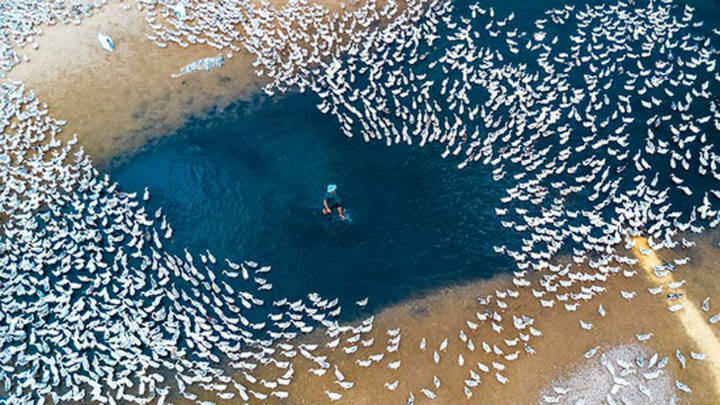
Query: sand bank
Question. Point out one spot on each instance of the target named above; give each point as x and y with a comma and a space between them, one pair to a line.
118, 100
559, 351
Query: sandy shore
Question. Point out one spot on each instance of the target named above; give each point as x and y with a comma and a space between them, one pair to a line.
116, 101
559, 351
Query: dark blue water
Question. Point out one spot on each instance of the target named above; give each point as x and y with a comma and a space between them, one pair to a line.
248, 184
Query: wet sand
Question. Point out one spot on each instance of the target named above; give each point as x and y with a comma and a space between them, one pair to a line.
117, 101
559, 351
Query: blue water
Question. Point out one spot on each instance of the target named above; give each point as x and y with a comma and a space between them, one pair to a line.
248, 184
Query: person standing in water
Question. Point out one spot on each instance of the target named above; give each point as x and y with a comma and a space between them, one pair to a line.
332, 200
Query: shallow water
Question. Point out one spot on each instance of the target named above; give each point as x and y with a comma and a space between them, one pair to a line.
443, 313
248, 183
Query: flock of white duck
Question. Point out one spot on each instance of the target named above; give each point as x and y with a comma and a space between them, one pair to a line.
598, 119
